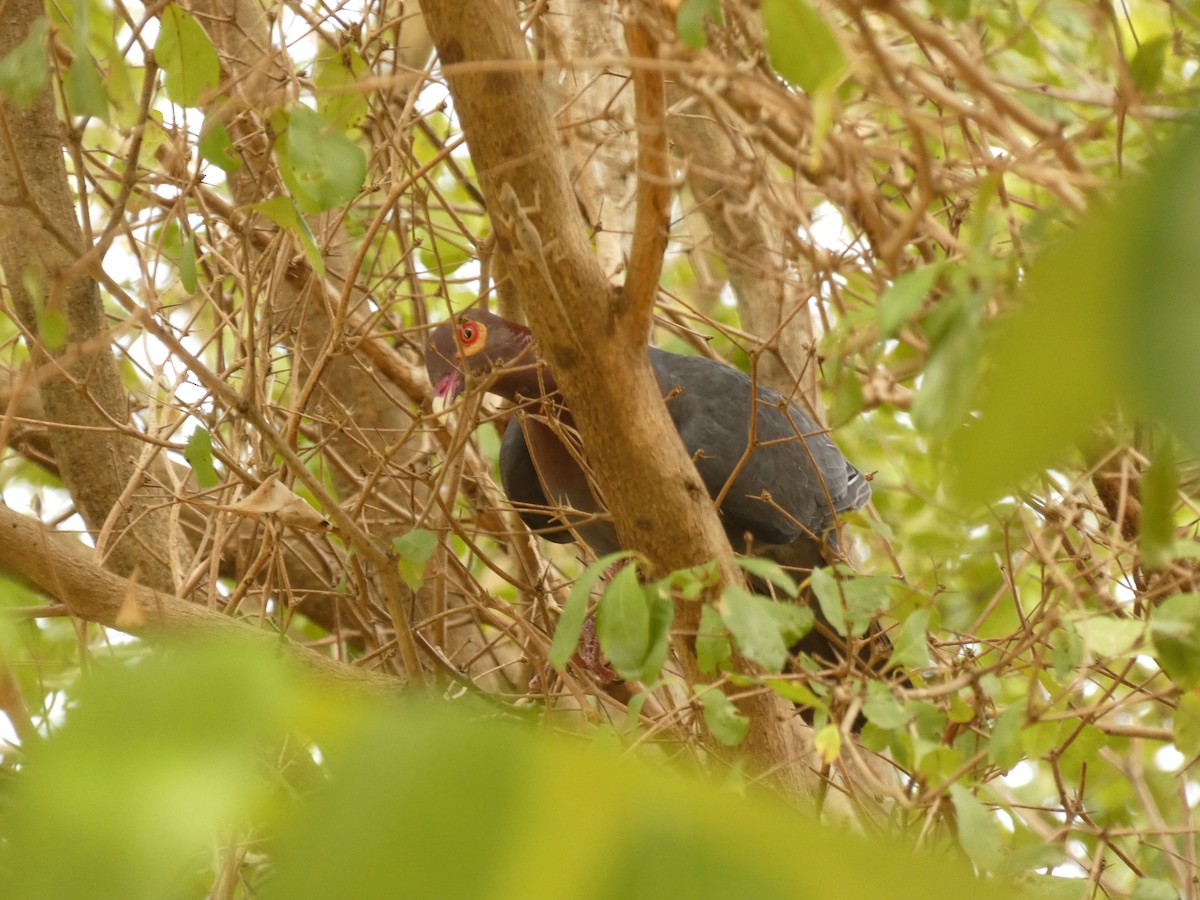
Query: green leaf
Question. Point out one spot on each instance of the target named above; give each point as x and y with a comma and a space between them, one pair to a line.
691, 20
1156, 540
978, 831
1109, 316
24, 70
413, 551
910, 645
865, 597
341, 98
1185, 724
713, 650
187, 56
1108, 638
801, 45
85, 87
282, 211
769, 571
828, 742
1175, 628
176, 732
570, 622
320, 165
755, 628
1146, 67
662, 614
216, 145
882, 708
198, 453
1154, 889
905, 296
723, 719
958, 10
825, 585
1005, 749
623, 623
53, 328
187, 263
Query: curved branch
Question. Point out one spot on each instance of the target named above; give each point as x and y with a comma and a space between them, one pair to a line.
653, 223
67, 572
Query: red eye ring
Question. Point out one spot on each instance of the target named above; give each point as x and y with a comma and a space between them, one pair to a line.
472, 336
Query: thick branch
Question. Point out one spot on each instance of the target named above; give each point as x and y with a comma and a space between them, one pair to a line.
40, 240
652, 225
67, 572
596, 349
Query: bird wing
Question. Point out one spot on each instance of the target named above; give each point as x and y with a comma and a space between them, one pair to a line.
523, 487
793, 483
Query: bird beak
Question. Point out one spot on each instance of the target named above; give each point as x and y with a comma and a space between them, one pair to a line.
447, 390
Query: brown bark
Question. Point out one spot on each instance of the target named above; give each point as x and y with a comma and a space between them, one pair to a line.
40, 244
67, 572
749, 238
594, 340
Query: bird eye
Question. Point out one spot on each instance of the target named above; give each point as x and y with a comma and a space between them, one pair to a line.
472, 335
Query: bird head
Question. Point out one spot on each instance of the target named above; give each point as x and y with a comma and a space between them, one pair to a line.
475, 343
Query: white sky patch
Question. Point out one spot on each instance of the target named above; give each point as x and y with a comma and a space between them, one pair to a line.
1169, 759
828, 228
1021, 774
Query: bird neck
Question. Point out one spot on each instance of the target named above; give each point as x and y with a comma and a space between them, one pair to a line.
528, 377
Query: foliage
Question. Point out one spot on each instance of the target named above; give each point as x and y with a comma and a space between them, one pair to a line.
377, 798
985, 209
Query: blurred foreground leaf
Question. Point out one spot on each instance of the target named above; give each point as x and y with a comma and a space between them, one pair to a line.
1109, 318
166, 763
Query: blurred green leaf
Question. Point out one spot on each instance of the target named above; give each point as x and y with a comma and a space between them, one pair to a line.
187, 56
958, 10
183, 755
910, 644
53, 328
1108, 638
905, 296
85, 87
341, 98
1154, 889
23, 71
168, 752
1185, 724
1146, 67
1005, 747
713, 650
828, 743
723, 719
187, 263
691, 19
216, 145
978, 831
413, 551
1156, 537
802, 46
825, 586
1109, 314
883, 708
1175, 628
199, 455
